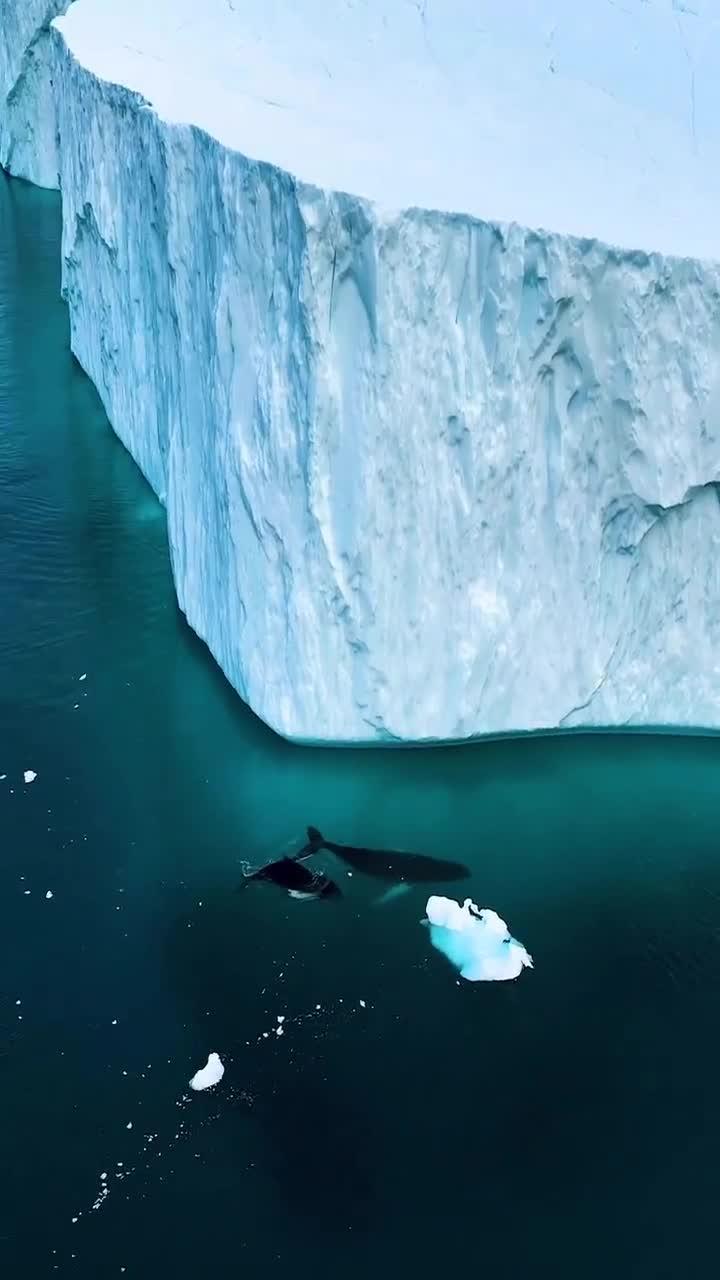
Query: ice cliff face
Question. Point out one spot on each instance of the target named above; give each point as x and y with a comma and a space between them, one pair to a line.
426, 476
28, 144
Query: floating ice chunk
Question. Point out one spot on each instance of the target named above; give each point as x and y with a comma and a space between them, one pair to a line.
29, 775
477, 942
83, 676
49, 894
212, 1073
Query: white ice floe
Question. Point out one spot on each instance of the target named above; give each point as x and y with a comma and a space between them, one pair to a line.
477, 942
49, 894
29, 775
209, 1075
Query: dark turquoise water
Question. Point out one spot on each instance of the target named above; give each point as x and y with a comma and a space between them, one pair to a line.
565, 1125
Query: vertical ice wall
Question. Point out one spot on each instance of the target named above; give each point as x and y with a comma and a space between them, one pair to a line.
28, 143
426, 476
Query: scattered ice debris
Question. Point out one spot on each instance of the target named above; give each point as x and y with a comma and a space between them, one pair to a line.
477, 942
209, 1075
29, 775
49, 895
154, 1149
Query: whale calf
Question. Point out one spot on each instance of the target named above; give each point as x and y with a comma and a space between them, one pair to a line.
299, 881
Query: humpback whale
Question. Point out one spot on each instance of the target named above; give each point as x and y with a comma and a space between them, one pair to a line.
385, 864
298, 880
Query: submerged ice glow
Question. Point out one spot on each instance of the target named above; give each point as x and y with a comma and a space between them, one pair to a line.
477, 942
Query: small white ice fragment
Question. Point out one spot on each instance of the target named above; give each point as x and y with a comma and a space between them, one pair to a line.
477, 942
49, 894
279, 1031
3, 776
129, 1124
362, 1004
114, 1022
281, 1017
29, 775
103, 1176
84, 675
209, 1075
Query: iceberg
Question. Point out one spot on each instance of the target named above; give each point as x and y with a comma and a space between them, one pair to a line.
477, 942
209, 1075
430, 470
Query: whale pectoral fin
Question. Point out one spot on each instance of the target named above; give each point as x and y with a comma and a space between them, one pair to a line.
395, 891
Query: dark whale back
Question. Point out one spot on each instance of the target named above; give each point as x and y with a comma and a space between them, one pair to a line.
387, 864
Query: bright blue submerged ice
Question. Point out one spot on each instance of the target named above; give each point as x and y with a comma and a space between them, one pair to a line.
477, 942
428, 473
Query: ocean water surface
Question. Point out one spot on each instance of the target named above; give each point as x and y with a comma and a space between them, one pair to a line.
564, 1125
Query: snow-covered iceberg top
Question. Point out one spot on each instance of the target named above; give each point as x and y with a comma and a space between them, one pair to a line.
477, 942
590, 118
